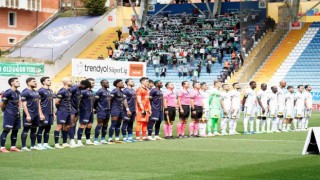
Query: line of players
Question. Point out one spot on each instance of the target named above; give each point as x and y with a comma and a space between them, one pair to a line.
146, 105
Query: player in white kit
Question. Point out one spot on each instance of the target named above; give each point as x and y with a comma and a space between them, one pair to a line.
262, 107
289, 111
299, 105
272, 110
225, 108
281, 103
235, 108
249, 105
308, 106
205, 116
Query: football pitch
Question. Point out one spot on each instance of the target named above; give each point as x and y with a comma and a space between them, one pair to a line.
259, 156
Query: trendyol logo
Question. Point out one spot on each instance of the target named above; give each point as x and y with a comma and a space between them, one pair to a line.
65, 32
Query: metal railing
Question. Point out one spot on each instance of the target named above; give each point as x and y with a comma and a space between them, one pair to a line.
264, 51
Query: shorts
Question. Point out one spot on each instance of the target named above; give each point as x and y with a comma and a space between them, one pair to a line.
281, 111
260, 114
118, 114
235, 114
249, 112
289, 113
86, 118
48, 120
35, 121
171, 114
307, 113
299, 113
74, 111
63, 117
272, 113
185, 115
103, 115
11, 121
156, 116
214, 113
228, 115
199, 112
131, 118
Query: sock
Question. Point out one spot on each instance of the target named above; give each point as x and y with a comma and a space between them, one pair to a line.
150, 128
72, 132
46, 135
97, 131
245, 124
251, 122
33, 136
4, 137
215, 124
179, 125
103, 133
303, 121
170, 130
274, 124
231, 122
14, 135
299, 124
80, 132
124, 129
183, 128
263, 125
191, 128
130, 127
130, 136
288, 126
157, 128
144, 133
39, 134
258, 125
112, 128
195, 130
235, 125
88, 133
295, 123
268, 124
166, 130
118, 126
64, 136
284, 126
209, 125
306, 123
280, 123
56, 136
223, 122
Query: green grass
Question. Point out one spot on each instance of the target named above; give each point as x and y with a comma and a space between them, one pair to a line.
261, 156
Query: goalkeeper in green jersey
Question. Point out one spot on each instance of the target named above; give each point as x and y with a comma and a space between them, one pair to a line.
214, 108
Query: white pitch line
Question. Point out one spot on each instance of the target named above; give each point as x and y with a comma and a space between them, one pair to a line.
262, 140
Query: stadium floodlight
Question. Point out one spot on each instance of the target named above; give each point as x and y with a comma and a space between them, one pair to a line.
311, 145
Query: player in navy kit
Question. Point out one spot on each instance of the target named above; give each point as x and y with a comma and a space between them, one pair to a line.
117, 104
86, 113
11, 115
156, 101
64, 109
46, 102
32, 114
102, 106
128, 121
75, 102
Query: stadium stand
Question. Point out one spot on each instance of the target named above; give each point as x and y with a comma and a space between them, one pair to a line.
301, 66
264, 74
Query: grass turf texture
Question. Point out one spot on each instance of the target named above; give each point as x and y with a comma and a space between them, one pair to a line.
260, 156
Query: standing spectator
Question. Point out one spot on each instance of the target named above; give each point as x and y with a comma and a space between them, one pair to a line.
157, 71
184, 71
116, 44
209, 67
110, 51
133, 20
163, 71
119, 34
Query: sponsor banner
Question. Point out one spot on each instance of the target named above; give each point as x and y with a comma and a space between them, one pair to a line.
105, 69
17, 69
